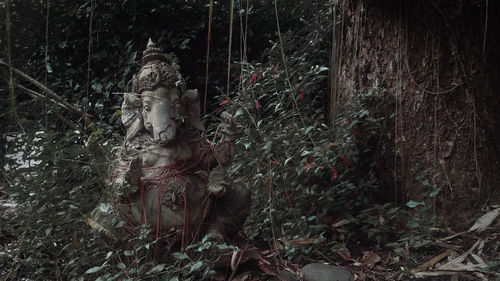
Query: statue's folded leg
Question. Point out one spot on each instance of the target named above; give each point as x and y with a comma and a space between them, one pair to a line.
230, 211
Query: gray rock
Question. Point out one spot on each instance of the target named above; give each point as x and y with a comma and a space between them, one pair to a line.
288, 276
325, 272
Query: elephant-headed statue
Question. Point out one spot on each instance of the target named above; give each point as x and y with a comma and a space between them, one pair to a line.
167, 175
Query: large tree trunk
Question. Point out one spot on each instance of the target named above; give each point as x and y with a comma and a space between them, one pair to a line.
439, 61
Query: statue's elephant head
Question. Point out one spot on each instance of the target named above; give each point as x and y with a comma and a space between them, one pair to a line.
160, 112
157, 105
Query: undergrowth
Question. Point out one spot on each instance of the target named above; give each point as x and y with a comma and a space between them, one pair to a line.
313, 182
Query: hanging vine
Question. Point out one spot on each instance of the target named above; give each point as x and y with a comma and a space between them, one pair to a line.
231, 18
12, 94
86, 109
210, 11
46, 101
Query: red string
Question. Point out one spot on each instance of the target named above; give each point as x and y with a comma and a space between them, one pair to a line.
180, 172
143, 214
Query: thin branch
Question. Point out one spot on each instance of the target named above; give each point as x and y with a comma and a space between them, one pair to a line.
12, 97
210, 11
37, 95
229, 48
88, 60
485, 27
48, 91
46, 61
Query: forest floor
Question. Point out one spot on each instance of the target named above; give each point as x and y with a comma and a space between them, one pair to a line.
467, 255
449, 256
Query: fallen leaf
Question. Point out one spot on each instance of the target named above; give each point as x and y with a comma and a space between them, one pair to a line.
370, 259
234, 259
484, 221
266, 269
340, 223
304, 241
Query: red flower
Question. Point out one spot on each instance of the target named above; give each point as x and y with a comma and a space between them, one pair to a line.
334, 176
257, 105
308, 164
224, 102
356, 133
269, 179
302, 94
345, 160
286, 195
258, 77
273, 162
252, 79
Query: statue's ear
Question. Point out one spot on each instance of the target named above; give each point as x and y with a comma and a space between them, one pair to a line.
131, 107
131, 114
191, 102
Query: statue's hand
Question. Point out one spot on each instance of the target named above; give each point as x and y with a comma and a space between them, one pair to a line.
226, 117
134, 172
129, 181
216, 184
227, 124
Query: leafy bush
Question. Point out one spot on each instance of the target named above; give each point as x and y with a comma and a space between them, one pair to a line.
56, 186
306, 175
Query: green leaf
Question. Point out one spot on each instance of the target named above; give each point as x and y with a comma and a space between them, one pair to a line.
184, 43
196, 266
128, 253
238, 112
122, 85
180, 256
109, 254
93, 270
413, 204
268, 145
434, 192
121, 265
308, 130
156, 269
63, 44
305, 152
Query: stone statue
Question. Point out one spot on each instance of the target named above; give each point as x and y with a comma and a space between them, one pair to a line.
167, 175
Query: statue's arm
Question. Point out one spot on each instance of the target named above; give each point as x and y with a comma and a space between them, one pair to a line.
221, 153
128, 177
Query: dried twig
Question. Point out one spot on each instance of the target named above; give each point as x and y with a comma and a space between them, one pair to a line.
431, 262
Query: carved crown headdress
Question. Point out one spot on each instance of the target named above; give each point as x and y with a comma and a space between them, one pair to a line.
155, 71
